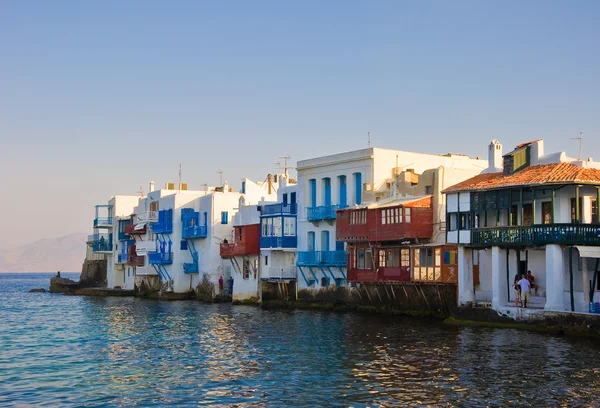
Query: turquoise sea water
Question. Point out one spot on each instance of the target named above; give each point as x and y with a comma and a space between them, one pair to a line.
80, 351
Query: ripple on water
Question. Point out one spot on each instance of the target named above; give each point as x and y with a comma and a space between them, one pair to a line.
61, 351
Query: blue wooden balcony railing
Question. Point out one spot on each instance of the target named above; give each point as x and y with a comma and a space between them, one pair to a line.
194, 231
165, 222
322, 212
102, 242
191, 267
322, 258
101, 222
562, 234
279, 208
279, 242
160, 258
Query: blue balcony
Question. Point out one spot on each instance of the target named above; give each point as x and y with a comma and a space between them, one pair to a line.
103, 222
160, 258
123, 236
280, 208
278, 242
190, 267
322, 212
165, 222
194, 231
322, 258
101, 242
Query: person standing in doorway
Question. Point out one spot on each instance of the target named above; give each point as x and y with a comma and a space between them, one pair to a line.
230, 285
531, 280
525, 287
221, 285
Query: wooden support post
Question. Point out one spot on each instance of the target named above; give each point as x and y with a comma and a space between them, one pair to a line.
521, 212
507, 275
533, 207
577, 209
571, 278
552, 211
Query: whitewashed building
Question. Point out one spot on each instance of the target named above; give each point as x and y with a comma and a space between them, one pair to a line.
528, 211
105, 239
327, 184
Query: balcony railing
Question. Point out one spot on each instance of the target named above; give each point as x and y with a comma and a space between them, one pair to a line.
278, 242
322, 258
134, 229
160, 258
101, 242
103, 222
135, 260
322, 212
194, 231
144, 247
279, 272
280, 208
236, 249
191, 267
146, 216
562, 234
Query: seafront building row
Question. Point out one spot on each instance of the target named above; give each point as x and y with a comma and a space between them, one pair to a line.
370, 217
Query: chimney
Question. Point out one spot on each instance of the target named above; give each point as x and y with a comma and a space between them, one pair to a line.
537, 151
151, 186
282, 181
495, 157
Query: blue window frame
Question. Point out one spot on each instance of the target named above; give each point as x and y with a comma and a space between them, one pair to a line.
224, 217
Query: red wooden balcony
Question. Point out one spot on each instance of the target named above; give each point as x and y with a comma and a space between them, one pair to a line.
246, 242
131, 229
410, 220
133, 259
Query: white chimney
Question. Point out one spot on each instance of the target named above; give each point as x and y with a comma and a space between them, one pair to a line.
151, 186
494, 157
282, 181
536, 152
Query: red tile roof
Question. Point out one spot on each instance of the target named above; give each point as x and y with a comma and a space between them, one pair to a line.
557, 173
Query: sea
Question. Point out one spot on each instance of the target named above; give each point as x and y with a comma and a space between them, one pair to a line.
62, 351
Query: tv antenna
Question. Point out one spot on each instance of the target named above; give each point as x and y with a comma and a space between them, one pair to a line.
141, 191
285, 164
369, 138
220, 173
580, 138
179, 189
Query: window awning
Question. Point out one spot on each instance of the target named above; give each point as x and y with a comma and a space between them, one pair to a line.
139, 226
588, 251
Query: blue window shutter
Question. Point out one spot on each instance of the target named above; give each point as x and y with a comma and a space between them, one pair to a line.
285, 198
358, 188
224, 217
327, 191
313, 192
343, 191
293, 198
184, 245
243, 187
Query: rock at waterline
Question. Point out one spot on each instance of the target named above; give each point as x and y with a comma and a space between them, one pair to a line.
42, 290
62, 285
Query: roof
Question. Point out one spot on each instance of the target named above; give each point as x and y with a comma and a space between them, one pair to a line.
389, 202
556, 173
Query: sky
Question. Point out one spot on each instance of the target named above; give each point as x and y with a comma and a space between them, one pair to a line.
100, 97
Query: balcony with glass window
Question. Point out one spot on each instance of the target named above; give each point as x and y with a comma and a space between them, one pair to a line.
164, 225
544, 234
322, 212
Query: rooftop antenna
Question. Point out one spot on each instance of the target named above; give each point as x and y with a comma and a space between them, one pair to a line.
580, 138
179, 189
141, 191
220, 173
285, 164
369, 137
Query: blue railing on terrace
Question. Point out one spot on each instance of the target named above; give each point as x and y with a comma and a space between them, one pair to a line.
165, 222
160, 258
195, 231
562, 234
279, 208
191, 267
322, 258
322, 212
103, 222
101, 242
279, 242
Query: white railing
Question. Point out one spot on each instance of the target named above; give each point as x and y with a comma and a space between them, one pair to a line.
143, 247
146, 216
145, 270
279, 272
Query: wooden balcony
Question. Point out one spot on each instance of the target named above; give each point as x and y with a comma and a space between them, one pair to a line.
247, 242
229, 250
517, 236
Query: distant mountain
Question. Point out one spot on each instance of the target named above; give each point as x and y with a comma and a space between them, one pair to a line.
46, 255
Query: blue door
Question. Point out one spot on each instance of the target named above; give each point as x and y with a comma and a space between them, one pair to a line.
343, 192
327, 191
310, 246
324, 240
357, 188
312, 186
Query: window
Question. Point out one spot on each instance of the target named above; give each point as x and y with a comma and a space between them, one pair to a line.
546, 212
520, 159
312, 187
368, 259
293, 198
289, 227
183, 245
392, 215
407, 215
405, 257
238, 234
285, 198
514, 218
357, 188
382, 258
224, 217
527, 214
324, 282
360, 257
358, 217
465, 221
246, 269
326, 183
427, 264
255, 267
154, 206
594, 205
452, 221
266, 260
277, 227
343, 191
450, 257
428, 190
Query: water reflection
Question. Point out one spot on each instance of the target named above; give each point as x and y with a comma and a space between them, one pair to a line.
121, 352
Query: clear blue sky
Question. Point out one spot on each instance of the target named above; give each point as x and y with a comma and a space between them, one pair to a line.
99, 97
